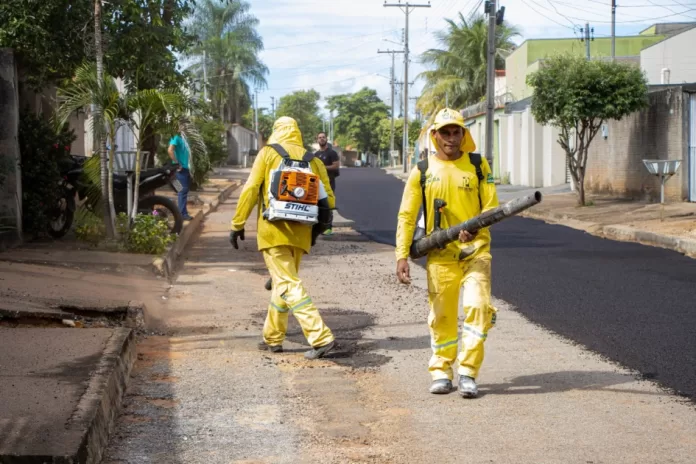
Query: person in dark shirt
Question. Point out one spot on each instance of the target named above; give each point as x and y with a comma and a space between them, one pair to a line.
332, 162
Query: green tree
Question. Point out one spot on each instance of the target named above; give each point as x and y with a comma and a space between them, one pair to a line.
228, 46
384, 128
47, 36
265, 122
53, 38
142, 38
460, 67
358, 116
577, 96
303, 107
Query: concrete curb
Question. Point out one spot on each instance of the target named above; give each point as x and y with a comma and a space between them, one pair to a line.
619, 232
164, 265
101, 402
87, 432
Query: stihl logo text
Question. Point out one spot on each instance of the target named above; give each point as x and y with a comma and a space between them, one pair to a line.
297, 207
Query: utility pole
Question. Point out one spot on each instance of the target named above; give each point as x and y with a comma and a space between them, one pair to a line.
613, 30
393, 85
256, 117
495, 17
586, 38
406, 8
273, 107
331, 127
205, 76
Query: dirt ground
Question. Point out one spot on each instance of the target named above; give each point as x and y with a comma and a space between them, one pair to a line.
202, 393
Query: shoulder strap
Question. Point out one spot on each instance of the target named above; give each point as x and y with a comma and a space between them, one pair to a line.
423, 167
308, 156
281, 151
475, 159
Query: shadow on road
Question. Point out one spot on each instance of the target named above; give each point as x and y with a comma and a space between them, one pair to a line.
563, 381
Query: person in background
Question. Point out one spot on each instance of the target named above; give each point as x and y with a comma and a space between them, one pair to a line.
332, 162
180, 154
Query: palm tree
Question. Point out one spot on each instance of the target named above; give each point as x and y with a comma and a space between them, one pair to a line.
228, 46
459, 72
81, 91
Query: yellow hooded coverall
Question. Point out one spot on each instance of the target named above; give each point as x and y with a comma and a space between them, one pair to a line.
283, 243
456, 183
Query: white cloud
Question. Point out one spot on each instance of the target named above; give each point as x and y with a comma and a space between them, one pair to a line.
332, 45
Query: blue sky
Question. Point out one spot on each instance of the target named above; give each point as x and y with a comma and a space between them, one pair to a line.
331, 45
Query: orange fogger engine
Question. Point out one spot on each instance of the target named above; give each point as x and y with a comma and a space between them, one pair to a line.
299, 187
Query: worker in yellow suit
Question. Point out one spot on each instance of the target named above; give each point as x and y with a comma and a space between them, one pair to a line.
283, 243
465, 182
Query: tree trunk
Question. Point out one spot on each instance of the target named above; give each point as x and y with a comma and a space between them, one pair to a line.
581, 186
112, 207
136, 184
150, 145
106, 194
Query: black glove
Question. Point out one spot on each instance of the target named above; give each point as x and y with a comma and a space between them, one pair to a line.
233, 237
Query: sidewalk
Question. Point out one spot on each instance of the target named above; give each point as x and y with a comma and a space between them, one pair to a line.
68, 320
672, 226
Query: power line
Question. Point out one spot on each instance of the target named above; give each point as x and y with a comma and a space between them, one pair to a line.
406, 8
328, 41
325, 83
550, 19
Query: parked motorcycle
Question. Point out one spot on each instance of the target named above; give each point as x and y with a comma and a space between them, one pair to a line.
73, 185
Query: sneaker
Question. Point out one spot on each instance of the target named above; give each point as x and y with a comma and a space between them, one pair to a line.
262, 346
467, 387
188, 218
441, 386
316, 353
328, 232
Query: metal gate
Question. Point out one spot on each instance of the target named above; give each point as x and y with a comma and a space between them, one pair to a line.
692, 148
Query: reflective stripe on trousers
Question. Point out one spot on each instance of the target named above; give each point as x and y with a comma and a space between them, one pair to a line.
288, 296
445, 280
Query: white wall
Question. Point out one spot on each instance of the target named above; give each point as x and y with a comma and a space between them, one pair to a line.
677, 53
531, 155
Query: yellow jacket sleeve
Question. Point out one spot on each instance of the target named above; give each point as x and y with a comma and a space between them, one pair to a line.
320, 169
250, 193
488, 192
411, 202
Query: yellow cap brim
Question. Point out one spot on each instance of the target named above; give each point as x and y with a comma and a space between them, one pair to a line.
439, 126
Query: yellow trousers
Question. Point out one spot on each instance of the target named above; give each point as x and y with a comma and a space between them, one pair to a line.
289, 295
445, 283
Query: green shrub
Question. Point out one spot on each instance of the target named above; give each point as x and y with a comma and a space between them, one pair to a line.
89, 227
213, 132
148, 234
42, 151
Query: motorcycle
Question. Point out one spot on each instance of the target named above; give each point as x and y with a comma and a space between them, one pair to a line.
73, 185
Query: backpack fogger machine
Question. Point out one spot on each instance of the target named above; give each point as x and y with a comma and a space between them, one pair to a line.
295, 193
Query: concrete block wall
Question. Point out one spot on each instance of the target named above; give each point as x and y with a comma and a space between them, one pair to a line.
615, 164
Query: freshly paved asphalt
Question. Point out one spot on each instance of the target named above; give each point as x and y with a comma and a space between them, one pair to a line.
633, 304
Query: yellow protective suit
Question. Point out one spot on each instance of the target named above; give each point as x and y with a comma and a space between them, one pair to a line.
456, 183
277, 233
284, 242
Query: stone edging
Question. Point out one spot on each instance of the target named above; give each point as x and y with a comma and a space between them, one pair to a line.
164, 265
101, 403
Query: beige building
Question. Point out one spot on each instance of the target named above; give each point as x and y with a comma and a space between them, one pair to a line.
672, 61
